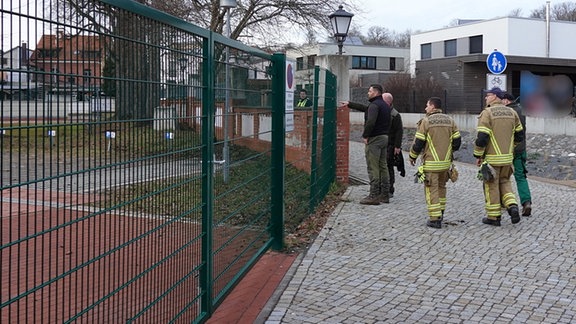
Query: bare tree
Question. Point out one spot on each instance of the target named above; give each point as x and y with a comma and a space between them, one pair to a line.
382, 36
378, 35
140, 58
515, 12
410, 94
402, 39
561, 11
263, 19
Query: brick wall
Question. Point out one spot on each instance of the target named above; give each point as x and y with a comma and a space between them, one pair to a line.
298, 148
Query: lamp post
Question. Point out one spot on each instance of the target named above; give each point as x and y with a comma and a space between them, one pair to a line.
183, 62
340, 21
226, 4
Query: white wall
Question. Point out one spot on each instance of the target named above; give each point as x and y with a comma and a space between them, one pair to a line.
465, 122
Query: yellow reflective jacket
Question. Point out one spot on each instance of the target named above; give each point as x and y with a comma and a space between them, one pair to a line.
499, 127
436, 138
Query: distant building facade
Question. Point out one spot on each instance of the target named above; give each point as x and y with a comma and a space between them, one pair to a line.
367, 63
69, 62
541, 62
16, 77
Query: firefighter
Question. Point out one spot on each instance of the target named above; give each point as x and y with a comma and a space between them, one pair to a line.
499, 129
437, 137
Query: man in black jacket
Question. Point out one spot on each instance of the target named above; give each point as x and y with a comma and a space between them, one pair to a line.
394, 153
375, 136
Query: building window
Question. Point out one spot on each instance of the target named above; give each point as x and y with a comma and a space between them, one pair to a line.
48, 53
476, 44
299, 63
311, 61
364, 62
392, 64
87, 72
90, 54
450, 48
425, 51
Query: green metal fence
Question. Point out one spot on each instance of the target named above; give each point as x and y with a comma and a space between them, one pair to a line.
143, 164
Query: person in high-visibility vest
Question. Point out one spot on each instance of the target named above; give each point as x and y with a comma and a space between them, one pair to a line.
436, 138
499, 130
304, 101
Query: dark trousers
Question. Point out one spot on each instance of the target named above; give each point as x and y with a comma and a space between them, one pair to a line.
390, 162
376, 159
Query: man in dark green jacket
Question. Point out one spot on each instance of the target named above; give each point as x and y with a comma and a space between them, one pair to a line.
394, 154
519, 160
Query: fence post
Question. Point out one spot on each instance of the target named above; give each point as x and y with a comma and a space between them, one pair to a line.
208, 112
278, 153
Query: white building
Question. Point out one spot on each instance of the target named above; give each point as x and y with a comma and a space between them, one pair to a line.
16, 77
541, 62
364, 60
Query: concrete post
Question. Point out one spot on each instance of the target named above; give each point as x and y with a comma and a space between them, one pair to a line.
338, 64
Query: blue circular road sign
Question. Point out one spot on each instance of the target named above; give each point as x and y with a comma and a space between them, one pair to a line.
496, 62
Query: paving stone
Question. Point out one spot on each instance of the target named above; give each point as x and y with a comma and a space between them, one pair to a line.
383, 264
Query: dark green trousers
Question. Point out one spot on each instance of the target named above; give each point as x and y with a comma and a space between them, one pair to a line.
377, 165
520, 171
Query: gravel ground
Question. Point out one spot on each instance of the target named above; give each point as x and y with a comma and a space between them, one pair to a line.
549, 157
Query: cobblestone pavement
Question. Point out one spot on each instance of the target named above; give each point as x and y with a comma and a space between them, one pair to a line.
375, 264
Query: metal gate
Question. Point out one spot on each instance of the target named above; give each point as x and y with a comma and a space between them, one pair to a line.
143, 165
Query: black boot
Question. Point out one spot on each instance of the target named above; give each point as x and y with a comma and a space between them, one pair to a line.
434, 223
514, 214
493, 222
385, 192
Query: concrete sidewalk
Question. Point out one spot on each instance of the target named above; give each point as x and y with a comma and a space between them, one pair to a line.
382, 264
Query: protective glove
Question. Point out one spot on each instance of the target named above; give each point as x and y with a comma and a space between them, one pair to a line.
419, 176
486, 172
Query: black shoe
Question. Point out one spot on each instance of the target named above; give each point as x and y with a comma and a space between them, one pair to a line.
385, 199
527, 209
391, 194
514, 214
434, 223
493, 222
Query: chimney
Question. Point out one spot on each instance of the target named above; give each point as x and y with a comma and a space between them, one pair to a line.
24, 55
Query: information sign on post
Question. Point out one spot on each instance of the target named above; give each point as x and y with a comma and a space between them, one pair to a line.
496, 81
289, 102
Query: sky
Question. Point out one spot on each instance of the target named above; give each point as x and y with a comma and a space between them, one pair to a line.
401, 15
397, 15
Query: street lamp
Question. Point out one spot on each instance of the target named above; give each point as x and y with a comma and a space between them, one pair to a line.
340, 21
183, 62
182, 95
227, 4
